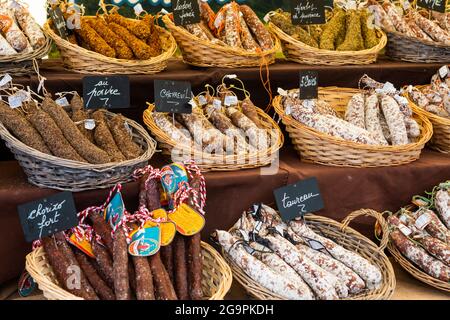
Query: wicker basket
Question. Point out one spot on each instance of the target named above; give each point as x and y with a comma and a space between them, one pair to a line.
216, 280
346, 237
48, 171
81, 60
202, 53
299, 52
22, 63
401, 47
212, 162
441, 128
314, 146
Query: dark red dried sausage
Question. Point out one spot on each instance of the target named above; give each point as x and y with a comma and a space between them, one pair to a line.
103, 229
163, 287
180, 268
167, 259
104, 262
120, 266
144, 279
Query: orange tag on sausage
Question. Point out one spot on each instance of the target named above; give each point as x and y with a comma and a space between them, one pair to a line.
168, 229
84, 245
188, 221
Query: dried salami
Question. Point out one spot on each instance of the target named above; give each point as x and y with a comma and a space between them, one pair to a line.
120, 266
104, 262
180, 268
259, 30
144, 279
441, 202
395, 120
163, 287
355, 111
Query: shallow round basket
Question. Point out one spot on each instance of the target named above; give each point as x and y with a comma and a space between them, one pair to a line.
213, 162
202, 53
401, 47
216, 277
314, 146
300, 52
350, 239
441, 128
48, 171
81, 60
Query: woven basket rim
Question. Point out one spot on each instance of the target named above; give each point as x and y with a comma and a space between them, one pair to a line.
332, 53
425, 137
35, 54
162, 136
46, 284
60, 42
388, 285
418, 41
60, 162
433, 117
226, 49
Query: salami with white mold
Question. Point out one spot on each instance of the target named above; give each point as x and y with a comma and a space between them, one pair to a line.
441, 203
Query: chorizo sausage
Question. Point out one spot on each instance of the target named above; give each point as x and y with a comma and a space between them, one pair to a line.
163, 287
180, 268
144, 279
120, 266
104, 262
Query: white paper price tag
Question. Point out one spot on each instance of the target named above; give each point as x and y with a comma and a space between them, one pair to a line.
309, 104
443, 71
62, 102
5, 80
288, 110
282, 92
244, 235
405, 230
218, 21
138, 9
89, 124
202, 100
316, 245
231, 101
423, 221
389, 88
401, 100
128, 128
217, 104
14, 101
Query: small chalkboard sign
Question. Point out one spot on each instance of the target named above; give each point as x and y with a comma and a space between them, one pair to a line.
295, 200
329, 4
185, 12
59, 22
173, 96
435, 5
309, 85
111, 92
48, 216
305, 12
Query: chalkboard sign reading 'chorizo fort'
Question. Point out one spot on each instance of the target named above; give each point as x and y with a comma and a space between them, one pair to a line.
111, 92
297, 199
185, 12
306, 12
173, 96
309, 85
48, 216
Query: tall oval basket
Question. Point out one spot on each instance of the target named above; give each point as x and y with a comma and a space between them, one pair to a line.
81, 60
216, 279
314, 146
48, 171
202, 53
300, 52
350, 239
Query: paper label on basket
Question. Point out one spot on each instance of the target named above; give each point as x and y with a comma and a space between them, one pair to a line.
202, 100
145, 241
231, 101
423, 221
217, 104
62, 102
405, 230
188, 221
138, 9
47, 216
115, 210
5, 80
14, 101
305, 12
185, 12
83, 244
436, 5
403, 219
89, 124
443, 72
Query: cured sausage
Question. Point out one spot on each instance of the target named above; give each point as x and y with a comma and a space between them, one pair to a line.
367, 271
123, 138
180, 268
257, 137
144, 279
355, 111
249, 110
395, 120
167, 259
80, 115
232, 24
120, 266
435, 228
100, 287
247, 40
29, 26
431, 28
103, 229
257, 270
441, 203
104, 262
104, 138
257, 27
163, 287
372, 119
11, 30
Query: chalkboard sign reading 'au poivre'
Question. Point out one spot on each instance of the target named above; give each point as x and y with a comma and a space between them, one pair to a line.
111, 92
295, 200
309, 85
436, 5
306, 12
59, 22
48, 216
173, 96
185, 12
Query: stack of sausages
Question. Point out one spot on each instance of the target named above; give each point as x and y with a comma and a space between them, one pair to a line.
173, 273
295, 262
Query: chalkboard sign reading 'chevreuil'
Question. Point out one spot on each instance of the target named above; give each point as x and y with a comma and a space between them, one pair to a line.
109, 92
436, 5
59, 22
295, 200
173, 96
306, 12
48, 216
185, 12
309, 85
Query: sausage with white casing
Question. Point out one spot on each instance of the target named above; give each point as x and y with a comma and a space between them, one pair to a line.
395, 120
370, 273
355, 110
441, 203
372, 118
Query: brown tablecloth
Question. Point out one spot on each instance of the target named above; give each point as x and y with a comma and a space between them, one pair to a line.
229, 193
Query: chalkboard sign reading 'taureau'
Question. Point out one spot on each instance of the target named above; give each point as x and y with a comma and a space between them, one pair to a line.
436, 5
309, 85
111, 92
295, 200
173, 96
59, 22
185, 12
306, 12
48, 216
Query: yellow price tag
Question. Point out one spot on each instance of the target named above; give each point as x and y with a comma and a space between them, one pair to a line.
84, 245
168, 229
188, 221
